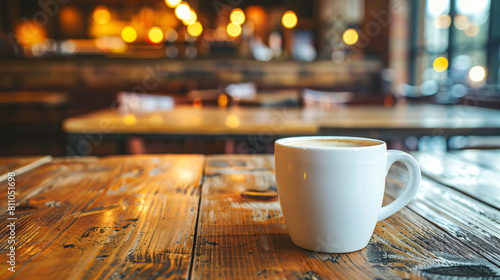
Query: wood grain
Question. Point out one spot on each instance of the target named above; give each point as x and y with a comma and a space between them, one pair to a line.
477, 180
474, 223
241, 238
487, 158
19, 165
115, 217
139, 216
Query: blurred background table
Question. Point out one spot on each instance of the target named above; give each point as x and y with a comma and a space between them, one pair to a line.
207, 123
184, 217
405, 120
387, 123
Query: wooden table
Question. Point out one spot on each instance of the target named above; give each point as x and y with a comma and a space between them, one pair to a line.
415, 120
184, 217
242, 123
20, 165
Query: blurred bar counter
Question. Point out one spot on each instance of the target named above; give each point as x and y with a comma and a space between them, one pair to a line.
107, 76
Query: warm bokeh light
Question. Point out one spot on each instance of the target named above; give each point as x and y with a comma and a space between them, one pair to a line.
440, 64
477, 73
172, 3
155, 35
350, 36
257, 15
195, 29
237, 16
101, 14
461, 22
289, 19
222, 100
183, 12
156, 119
129, 119
472, 30
29, 33
233, 29
232, 121
129, 34
197, 103
192, 18
442, 22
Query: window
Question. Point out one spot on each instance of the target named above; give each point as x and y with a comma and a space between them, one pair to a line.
455, 37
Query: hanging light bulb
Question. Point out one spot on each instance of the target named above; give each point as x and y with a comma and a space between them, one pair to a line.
237, 16
172, 3
183, 12
289, 19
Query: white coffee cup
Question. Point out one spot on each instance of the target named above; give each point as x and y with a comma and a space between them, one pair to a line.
331, 189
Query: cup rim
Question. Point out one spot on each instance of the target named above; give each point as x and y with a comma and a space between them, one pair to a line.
283, 142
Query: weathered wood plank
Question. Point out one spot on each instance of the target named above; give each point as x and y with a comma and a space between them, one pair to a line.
239, 163
474, 223
242, 238
488, 158
20, 165
116, 217
478, 181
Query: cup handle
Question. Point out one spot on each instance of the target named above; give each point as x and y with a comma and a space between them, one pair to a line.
411, 188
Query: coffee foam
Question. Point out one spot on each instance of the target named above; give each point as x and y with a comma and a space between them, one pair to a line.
331, 143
